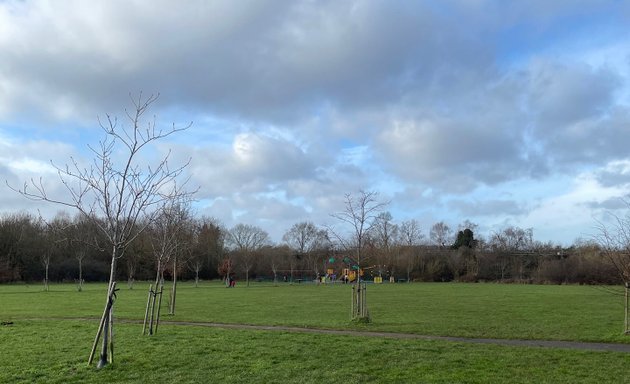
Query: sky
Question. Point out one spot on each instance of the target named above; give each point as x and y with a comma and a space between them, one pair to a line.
503, 113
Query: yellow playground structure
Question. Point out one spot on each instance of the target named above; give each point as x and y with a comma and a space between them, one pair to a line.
352, 274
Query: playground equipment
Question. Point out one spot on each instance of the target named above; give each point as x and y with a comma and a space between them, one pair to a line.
352, 274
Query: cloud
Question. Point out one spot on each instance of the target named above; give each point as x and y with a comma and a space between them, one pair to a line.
488, 208
612, 204
564, 94
614, 174
455, 155
251, 163
297, 103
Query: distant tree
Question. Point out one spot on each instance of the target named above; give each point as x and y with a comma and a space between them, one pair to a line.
196, 257
138, 253
47, 247
306, 239
14, 234
512, 238
82, 238
440, 234
211, 243
464, 238
514, 246
410, 232
463, 262
384, 234
275, 258
410, 238
245, 240
183, 242
52, 235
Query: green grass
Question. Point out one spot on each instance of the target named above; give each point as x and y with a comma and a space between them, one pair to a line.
38, 347
56, 352
546, 312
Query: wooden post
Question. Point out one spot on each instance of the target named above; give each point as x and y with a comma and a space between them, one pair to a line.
103, 360
353, 304
364, 303
157, 321
146, 312
174, 288
108, 329
153, 298
627, 322
111, 334
101, 327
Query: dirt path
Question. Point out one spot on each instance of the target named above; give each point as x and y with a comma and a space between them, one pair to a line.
585, 346
575, 345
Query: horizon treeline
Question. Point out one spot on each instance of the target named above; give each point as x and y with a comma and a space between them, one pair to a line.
67, 249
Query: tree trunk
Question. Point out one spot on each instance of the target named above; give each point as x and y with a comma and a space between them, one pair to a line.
131, 275
174, 288
106, 313
627, 307
47, 264
146, 312
80, 275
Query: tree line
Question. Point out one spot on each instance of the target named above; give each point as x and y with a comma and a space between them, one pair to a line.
71, 249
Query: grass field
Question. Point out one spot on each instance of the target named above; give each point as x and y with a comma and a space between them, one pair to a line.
40, 346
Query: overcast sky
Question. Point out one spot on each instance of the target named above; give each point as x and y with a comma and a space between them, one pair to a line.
498, 112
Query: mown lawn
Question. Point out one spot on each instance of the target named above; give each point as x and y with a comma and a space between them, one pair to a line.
42, 347
544, 312
56, 352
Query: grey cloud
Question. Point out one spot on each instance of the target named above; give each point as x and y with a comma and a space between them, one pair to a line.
615, 174
249, 59
612, 204
251, 164
561, 94
456, 154
487, 208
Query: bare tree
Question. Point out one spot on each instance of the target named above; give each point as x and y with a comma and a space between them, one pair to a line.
136, 253
195, 258
359, 215
514, 246
614, 239
168, 238
306, 239
184, 238
440, 234
53, 236
81, 238
410, 237
116, 190
245, 240
384, 234
274, 257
